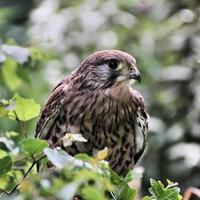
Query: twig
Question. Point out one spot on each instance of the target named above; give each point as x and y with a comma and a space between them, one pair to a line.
113, 195
21, 123
26, 174
3, 193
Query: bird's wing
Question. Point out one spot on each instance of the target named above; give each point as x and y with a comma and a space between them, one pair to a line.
51, 110
141, 124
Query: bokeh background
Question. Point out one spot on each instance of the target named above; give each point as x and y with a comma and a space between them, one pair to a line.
163, 35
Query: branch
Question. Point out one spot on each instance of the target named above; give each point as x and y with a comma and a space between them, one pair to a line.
26, 174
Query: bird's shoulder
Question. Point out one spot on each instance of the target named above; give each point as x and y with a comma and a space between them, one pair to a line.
140, 103
141, 123
53, 106
137, 98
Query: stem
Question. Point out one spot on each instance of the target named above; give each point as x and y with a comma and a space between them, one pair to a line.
3, 193
113, 196
21, 123
28, 171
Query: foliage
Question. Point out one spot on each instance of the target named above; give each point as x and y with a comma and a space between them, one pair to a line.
54, 37
81, 176
70, 176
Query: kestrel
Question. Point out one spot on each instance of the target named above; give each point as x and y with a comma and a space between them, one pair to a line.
97, 101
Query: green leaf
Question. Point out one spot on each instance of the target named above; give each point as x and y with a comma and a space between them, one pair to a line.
84, 157
102, 154
25, 109
85, 174
91, 193
24, 74
146, 198
5, 164
36, 53
9, 144
124, 192
9, 72
132, 175
3, 112
122, 189
115, 179
11, 134
3, 153
161, 193
6, 106
33, 146
60, 158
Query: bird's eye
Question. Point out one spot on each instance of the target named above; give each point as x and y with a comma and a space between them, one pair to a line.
113, 64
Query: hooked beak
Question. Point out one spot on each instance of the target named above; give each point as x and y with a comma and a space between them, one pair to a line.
135, 75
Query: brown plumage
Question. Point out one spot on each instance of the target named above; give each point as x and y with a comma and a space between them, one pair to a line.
97, 101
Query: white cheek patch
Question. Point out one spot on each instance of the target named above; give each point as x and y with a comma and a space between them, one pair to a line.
132, 81
121, 78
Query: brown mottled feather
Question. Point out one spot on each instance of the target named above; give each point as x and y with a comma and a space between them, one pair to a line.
98, 103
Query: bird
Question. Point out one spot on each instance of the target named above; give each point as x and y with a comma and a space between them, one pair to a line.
98, 101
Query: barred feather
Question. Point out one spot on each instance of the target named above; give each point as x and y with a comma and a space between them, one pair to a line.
106, 112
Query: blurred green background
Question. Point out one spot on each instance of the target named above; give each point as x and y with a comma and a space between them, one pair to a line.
164, 36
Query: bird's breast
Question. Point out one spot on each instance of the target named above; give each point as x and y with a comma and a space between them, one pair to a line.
103, 120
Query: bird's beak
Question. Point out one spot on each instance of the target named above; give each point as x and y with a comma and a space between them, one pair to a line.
135, 75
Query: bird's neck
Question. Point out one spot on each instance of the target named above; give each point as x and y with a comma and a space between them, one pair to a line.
120, 92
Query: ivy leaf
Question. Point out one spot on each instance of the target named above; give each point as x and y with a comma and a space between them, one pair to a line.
24, 74
5, 106
60, 158
122, 189
3, 111
84, 157
159, 192
3, 153
146, 198
9, 144
131, 175
25, 109
11, 134
115, 178
124, 192
33, 146
5, 164
20, 54
101, 155
89, 192
36, 53
9, 72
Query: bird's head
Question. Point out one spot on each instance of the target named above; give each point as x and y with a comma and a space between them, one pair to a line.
109, 69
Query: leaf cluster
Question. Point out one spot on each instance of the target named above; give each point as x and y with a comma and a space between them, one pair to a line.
67, 177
